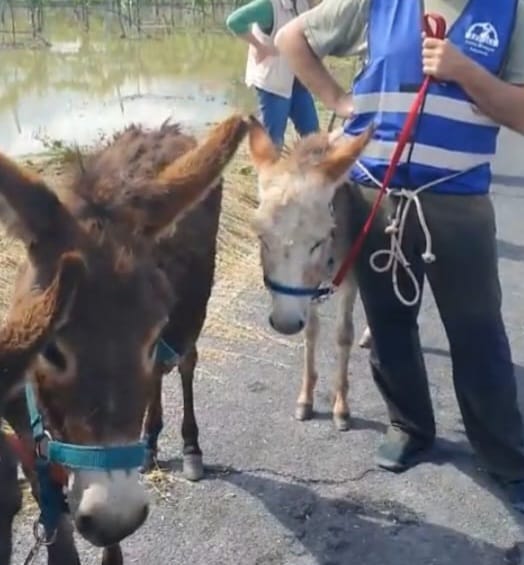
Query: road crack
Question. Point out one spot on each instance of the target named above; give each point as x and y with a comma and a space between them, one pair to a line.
226, 470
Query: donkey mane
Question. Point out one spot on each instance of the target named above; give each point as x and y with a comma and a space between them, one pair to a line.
107, 179
107, 184
305, 152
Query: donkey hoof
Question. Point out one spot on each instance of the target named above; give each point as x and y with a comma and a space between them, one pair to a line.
193, 467
304, 411
342, 422
149, 461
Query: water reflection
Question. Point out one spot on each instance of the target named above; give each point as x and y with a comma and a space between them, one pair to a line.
84, 85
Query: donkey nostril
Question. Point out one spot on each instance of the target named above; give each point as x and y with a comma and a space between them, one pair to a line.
301, 325
271, 322
85, 524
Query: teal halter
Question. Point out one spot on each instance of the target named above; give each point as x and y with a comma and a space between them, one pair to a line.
72, 456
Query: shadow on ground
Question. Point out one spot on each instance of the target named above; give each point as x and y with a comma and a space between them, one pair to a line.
360, 529
357, 529
510, 250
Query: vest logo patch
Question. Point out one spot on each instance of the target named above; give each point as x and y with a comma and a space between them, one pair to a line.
482, 38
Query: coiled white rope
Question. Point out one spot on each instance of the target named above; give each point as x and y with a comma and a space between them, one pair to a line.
394, 255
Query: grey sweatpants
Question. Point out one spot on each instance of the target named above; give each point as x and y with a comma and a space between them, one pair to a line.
464, 280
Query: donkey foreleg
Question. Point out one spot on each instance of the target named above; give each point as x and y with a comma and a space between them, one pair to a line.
63, 550
304, 408
112, 555
193, 466
153, 422
345, 338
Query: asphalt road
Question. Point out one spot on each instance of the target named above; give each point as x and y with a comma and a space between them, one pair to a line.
280, 492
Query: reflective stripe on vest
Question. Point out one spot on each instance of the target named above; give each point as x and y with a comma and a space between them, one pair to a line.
451, 134
425, 155
442, 106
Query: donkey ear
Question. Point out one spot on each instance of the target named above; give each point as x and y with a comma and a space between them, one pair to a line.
262, 150
29, 210
189, 179
343, 154
33, 320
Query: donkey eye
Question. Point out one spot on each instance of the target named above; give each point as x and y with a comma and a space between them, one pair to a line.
316, 246
54, 356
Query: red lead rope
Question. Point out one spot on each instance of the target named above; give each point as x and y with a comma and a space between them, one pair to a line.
26, 456
439, 32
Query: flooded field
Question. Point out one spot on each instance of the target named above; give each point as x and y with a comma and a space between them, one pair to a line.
85, 85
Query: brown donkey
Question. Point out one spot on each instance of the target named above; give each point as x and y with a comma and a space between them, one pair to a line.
109, 286
303, 224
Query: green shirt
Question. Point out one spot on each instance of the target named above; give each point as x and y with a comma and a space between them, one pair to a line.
256, 12
339, 28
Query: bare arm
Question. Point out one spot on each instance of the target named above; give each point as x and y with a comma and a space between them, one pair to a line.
333, 27
291, 42
248, 37
501, 101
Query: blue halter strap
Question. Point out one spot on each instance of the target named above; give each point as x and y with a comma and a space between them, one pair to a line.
164, 354
47, 450
315, 293
90, 457
98, 458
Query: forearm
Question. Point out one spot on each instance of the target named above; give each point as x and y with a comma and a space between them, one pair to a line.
292, 43
502, 102
249, 37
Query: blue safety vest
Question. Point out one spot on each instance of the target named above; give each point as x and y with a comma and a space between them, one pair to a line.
450, 135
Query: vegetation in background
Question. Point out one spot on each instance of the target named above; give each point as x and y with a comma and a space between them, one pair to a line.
23, 21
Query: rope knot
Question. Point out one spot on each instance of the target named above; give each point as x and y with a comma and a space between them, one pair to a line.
392, 228
428, 257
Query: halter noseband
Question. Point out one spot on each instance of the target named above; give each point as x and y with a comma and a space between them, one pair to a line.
315, 293
72, 456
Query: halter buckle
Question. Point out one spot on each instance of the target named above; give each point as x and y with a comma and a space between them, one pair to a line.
42, 446
325, 296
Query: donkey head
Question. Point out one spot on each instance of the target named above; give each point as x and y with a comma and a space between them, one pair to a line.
92, 372
294, 220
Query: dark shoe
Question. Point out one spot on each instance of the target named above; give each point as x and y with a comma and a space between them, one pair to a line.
516, 495
400, 451
514, 491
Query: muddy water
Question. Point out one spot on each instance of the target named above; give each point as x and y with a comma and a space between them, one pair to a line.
88, 84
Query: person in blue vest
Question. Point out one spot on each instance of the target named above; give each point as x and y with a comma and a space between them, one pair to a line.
439, 211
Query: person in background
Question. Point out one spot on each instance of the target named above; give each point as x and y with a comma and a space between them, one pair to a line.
280, 95
479, 85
